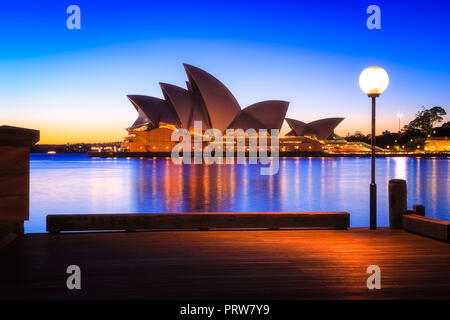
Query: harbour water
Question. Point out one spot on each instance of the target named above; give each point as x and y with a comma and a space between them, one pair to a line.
74, 183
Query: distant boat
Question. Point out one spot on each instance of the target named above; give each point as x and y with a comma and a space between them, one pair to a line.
51, 152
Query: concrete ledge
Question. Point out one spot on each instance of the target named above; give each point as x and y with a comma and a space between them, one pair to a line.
10, 224
430, 227
6, 239
15, 136
202, 221
10, 228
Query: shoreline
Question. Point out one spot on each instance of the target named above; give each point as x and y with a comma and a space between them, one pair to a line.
281, 155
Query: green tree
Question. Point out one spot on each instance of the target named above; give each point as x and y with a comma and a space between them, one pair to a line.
357, 137
426, 119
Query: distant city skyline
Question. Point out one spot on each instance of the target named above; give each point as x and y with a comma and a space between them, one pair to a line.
72, 84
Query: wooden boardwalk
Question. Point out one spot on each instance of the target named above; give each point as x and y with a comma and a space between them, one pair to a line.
285, 264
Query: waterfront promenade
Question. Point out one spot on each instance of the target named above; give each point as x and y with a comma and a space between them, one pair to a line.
282, 264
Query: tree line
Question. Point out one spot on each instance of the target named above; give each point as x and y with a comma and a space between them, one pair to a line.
423, 126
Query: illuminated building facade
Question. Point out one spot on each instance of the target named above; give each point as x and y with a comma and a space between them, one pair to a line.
205, 99
308, 136
437, 145
320, 129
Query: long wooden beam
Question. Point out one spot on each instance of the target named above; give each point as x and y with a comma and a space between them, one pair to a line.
202, 221
429, 227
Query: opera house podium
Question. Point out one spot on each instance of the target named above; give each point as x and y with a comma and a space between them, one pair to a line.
15, 146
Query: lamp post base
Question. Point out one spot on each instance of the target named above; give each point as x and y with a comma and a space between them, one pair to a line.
373, 206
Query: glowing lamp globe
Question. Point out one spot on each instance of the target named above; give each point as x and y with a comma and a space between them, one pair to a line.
373, 81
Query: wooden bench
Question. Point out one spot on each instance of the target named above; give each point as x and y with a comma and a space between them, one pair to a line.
202, 221
430, 227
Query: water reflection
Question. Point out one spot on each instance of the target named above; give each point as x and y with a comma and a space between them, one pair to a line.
77, 184
400, 167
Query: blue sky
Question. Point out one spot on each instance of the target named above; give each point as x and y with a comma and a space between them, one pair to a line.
71, 84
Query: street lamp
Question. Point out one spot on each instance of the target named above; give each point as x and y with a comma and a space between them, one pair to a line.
373, 81
399, 116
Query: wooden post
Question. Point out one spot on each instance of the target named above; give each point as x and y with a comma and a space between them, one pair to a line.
15, 146
397, 203
419, 209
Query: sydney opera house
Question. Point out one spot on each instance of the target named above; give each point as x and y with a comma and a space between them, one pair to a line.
207, 100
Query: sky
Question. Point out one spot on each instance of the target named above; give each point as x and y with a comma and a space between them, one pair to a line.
72, 84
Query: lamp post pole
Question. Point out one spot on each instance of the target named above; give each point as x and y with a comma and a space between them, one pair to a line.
373, 185
373, 81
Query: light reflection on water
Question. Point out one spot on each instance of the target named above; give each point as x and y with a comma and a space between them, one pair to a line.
65, 183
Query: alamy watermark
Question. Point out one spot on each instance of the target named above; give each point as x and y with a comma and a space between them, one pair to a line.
374, 280
235, 146
374, 20
74, 280
74, 20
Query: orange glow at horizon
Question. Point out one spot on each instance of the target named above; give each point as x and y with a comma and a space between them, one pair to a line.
89, 132
63, 135
57, 135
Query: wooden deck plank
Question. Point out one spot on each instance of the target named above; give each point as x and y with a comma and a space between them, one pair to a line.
300, 264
